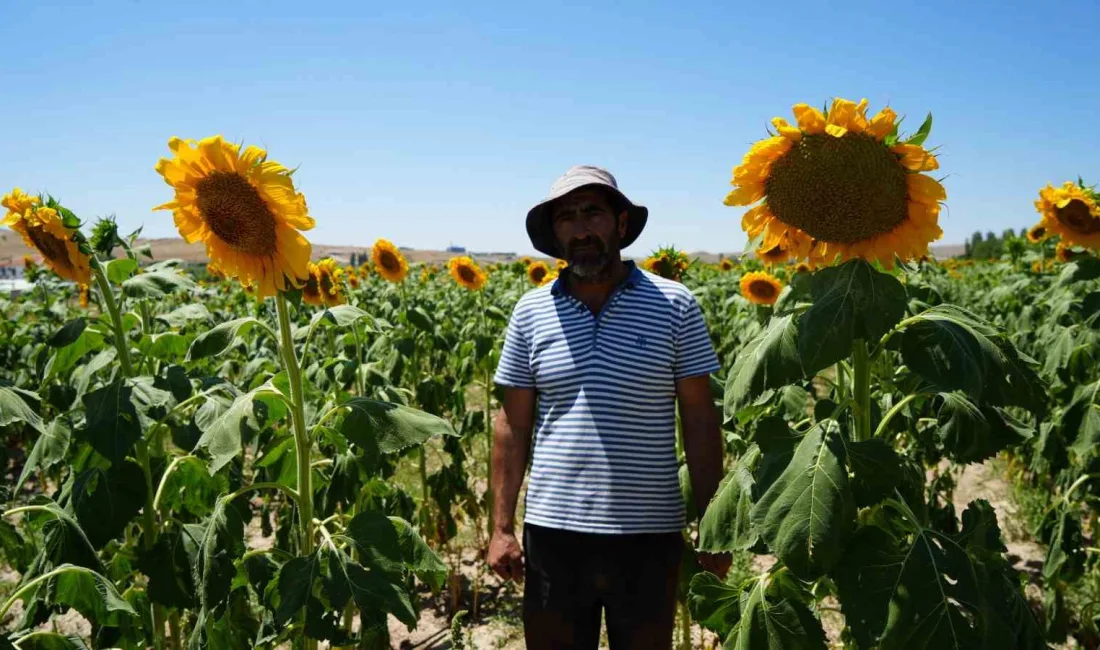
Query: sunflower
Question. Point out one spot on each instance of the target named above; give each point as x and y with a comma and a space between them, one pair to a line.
330, 282
466, 273
84, 296
561, 265
1037, 233
311, 288
802, 267
760, 288
839, 186
29, 264
775, 255
389, 261
1062, 253
526, 261
243, 207
550, 278
726, 264
42, 229
668, 263
1072, 212
537, 272
353, 277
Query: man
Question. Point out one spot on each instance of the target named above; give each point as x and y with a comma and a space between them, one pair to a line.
595, 365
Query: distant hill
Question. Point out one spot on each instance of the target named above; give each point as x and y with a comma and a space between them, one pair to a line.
12, 251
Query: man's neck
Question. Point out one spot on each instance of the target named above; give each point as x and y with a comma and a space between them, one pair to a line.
595, 294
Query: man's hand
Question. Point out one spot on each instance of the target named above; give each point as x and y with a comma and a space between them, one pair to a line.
716, 563
506, 556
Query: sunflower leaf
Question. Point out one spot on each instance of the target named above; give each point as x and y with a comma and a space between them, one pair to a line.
217, 340
156, 284
807, 514
118, 270
50, 448
68, 333
387, 428
726, 524
768, 361
89, 593
851, 301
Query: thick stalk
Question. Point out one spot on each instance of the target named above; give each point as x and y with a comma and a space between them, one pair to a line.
174, 637
685, 627
841, 384
359, 382
861, 391
301, 441
149, 512
301, 436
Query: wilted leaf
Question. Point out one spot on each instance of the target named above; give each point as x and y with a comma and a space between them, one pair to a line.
389, 428
970, 434
156, 284
216, 340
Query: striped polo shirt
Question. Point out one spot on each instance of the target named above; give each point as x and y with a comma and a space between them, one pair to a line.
604, 457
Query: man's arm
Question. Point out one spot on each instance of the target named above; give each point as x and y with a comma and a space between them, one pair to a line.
511, 444
702, 439
703, 449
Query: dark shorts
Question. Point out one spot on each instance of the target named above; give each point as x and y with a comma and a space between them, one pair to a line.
572, 577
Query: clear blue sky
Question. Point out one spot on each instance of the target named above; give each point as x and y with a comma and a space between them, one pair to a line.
439, 122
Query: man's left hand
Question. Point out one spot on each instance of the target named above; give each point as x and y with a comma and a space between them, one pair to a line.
716, 563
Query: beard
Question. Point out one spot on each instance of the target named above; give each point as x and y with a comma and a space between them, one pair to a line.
589, 261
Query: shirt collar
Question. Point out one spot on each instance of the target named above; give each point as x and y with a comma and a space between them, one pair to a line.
630, 280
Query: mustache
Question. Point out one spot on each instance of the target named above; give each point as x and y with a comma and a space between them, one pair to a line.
593, 242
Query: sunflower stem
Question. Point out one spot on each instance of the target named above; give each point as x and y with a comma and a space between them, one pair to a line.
301, 441
149, 538
360, 385
488, 421
861, 390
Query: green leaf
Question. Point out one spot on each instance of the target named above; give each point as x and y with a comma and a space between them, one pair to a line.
220, 545
726, 523
343, 316
389, 428
768, 361
418, 557
771, 619
876, 471
371, 590
1080, 421
64, 540
169, 571
971, 434
46, 641
14, 408
851, 301
181, 316
156, 284
106, 501
68, 334
1065, 560
89, 593
191, 489
215, 341
293, 586
1081, 270
120, 269
921, 135
221, 435
167, 346
68, 356
420, 319
112, 425
806, 516
955, 350
82, 376
714, 604
375, 538
918, 591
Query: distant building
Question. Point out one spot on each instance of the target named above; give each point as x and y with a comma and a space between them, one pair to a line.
456, 249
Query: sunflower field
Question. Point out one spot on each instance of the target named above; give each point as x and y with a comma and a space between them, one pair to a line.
272, 450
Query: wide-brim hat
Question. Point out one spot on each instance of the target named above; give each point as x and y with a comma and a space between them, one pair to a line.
541, 230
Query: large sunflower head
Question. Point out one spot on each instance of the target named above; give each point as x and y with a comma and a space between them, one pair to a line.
1071, 212
466, 273
43, 229
537, 272
243, 208
1037, 233
389, 261
840, 185
761, 288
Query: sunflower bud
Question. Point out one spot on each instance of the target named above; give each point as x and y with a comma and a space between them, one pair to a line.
105, 236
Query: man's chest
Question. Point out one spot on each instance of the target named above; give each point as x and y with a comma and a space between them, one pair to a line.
577, 347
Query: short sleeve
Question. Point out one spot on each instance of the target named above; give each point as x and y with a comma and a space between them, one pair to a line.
514, 368
694, 352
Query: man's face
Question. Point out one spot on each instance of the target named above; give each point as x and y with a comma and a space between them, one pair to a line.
588, 233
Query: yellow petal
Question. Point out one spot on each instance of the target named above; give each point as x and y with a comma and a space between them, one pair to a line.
745, 195
925, 189
786, 130
882, 124
914, 157
836, 130
810, 120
